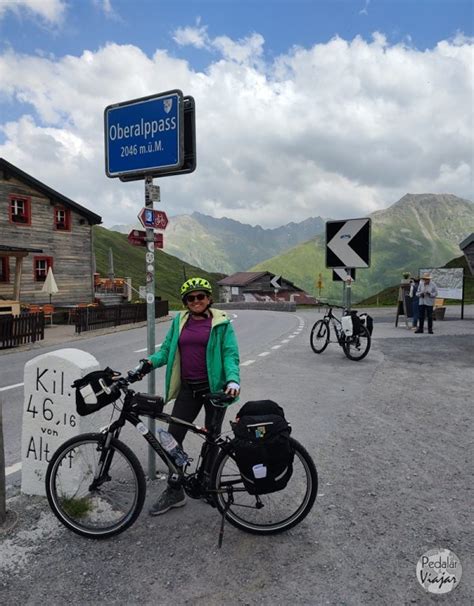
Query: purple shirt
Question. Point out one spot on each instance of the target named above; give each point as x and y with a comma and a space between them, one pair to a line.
192, 348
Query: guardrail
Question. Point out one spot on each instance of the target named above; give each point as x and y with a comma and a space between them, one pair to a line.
94, 318
18, 330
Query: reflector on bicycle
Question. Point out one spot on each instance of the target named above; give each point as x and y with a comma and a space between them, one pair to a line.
94, 391
262, 447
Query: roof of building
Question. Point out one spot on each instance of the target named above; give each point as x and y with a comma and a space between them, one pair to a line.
465, 243
242, 278
10, 169
13, 249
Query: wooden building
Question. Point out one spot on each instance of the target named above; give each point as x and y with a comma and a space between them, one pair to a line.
252, 286
41, 228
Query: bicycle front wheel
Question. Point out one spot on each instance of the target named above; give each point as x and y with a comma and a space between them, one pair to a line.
319, 337
94, 491
268, 513
357, 346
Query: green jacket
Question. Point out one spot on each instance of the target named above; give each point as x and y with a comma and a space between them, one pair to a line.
222, 354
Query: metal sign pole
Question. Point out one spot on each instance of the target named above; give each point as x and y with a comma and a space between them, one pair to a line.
150, 312
349, 292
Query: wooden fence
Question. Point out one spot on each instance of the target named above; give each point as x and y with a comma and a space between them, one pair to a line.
93, 318
18, 330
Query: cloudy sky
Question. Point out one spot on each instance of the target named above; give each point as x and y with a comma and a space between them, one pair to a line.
303, 107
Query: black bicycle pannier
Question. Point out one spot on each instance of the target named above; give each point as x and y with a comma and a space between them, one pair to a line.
94, 391
367, 321
262, 447
356, 323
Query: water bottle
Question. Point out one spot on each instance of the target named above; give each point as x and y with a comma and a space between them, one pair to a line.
171, 446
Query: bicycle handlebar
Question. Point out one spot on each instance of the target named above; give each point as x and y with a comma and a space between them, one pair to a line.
219, 399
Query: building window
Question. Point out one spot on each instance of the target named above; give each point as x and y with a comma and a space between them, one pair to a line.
20, 210
41, 266
62, 218
4, 269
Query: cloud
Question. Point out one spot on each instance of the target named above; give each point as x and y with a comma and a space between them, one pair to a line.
192, 36
50, 11
336, 129
365, 10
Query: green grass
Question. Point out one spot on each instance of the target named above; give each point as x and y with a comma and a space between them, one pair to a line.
76, 508
129, 261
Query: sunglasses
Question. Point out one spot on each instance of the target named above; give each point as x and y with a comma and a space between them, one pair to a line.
199, 297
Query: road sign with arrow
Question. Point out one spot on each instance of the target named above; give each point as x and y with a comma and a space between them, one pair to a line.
276, 282
348, 243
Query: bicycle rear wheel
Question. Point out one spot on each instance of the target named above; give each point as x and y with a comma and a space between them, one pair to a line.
96, 493
357, 346
269, 513
319, 337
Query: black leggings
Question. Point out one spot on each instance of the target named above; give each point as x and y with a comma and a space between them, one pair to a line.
187, 406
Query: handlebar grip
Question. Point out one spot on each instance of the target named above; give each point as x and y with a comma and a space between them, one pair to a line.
219, 399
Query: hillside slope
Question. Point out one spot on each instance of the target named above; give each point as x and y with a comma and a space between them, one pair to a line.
228, 246
129, 261
418, 230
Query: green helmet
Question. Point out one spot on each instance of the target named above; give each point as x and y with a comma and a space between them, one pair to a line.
195, 284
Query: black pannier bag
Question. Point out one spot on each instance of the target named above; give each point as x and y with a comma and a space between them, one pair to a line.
262, 447
356, 323
94, 391
368, 322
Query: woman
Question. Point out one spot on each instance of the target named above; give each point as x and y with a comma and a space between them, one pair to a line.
201, 355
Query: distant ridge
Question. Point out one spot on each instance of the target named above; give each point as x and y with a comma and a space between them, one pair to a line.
418, 230
225, 245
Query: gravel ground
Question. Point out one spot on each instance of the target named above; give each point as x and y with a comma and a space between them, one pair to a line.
390, 437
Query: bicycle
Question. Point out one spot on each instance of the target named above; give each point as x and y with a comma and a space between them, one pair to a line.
355, 346
96, 486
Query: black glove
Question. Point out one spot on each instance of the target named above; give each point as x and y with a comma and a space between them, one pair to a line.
137, 374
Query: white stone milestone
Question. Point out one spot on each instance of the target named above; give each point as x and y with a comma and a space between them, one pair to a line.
49, 412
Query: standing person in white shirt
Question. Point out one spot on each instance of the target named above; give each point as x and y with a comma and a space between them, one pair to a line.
426, 294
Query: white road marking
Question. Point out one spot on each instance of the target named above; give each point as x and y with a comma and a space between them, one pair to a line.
11, 386
264, 353
285, 341
276, 347
12, 469
247, 363
146, 348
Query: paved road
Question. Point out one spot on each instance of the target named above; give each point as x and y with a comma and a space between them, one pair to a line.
390, 436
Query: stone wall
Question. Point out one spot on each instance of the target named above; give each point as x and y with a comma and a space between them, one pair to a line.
264, 305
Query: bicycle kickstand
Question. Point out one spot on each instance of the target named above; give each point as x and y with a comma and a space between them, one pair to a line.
226, 509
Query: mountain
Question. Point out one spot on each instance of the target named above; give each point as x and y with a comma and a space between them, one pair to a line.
225, 245
129, 261
420, 230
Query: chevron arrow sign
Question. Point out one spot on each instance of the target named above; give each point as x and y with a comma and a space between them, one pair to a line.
348, 243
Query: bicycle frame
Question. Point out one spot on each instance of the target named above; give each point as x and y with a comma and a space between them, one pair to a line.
176, 474
333, 321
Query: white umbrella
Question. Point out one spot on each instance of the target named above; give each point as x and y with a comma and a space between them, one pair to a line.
50, 285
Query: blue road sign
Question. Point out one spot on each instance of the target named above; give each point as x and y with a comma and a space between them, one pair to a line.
144, 136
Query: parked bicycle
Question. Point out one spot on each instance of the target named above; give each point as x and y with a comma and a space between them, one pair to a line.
96, 486
356, 345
